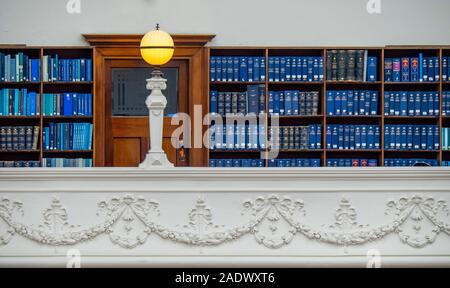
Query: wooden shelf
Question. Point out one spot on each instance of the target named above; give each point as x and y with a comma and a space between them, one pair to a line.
236, 83
322, 86
41, 87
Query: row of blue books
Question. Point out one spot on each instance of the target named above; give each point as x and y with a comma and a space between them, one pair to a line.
19, 68
66, 70
67, 136
412, 69
19, 102
252, 101
352, 162
411, 103
67, 162
19, 163
294, 162
295, 137
237, 68
352, 102
293, 102
445, 69
394, 162
411, 137
238, 136
236, 163
445, 103
445, 163
445, 138
294, 68
353, 137
67, 104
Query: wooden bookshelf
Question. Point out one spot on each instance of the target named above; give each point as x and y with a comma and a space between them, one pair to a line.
322, 86
41, 87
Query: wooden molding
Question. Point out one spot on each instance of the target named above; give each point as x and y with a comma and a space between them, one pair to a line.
103, 40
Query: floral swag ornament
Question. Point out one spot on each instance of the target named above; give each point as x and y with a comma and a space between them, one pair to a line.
274, 221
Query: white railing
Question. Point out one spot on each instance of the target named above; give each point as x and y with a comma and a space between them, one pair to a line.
219, 217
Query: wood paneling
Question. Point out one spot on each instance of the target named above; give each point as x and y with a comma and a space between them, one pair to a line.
130, 150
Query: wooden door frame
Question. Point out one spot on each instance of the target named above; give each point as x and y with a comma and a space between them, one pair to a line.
110, 120
120, 46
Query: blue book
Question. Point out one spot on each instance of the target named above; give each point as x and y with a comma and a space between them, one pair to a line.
362, 103
444, 68
423, 137
436, 137
316, 69
288, 103
374, 103
388, 70
277, 69
250, 66
356, 102
218, 69
321, 69
253, 99
424, 104
271, 69
225, 69
430, 69
418, 106
337, 103
329, 139
310, 69
305, 68
282, 69
243, 71
416, 137
276, 103
346, 144
436, 69
341, 136
236, 69
370, 137
411, 103
294, 68
344, 103
409, 137
387, 136
213, 101
403, 137
430, 137
300, 68
318, 136
352, 137
398, 136
282, 110
403, 103
330, 103
372, 69
350, 100
212, 68
288, 68
436, 103
262, 69
256, 69
335, 137
363, 136
270, 102
35, 70
312, 136
295, 102
430, 107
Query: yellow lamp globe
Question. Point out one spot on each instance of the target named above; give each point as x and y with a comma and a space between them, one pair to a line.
157, 47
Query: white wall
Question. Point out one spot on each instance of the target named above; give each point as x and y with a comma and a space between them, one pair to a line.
235, 22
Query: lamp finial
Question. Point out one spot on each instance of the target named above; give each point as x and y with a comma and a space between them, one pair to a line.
157, 26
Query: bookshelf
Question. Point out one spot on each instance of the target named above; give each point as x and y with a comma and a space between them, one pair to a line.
49, 87
380, 119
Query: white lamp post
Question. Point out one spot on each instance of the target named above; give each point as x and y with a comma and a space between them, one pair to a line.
157, 49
